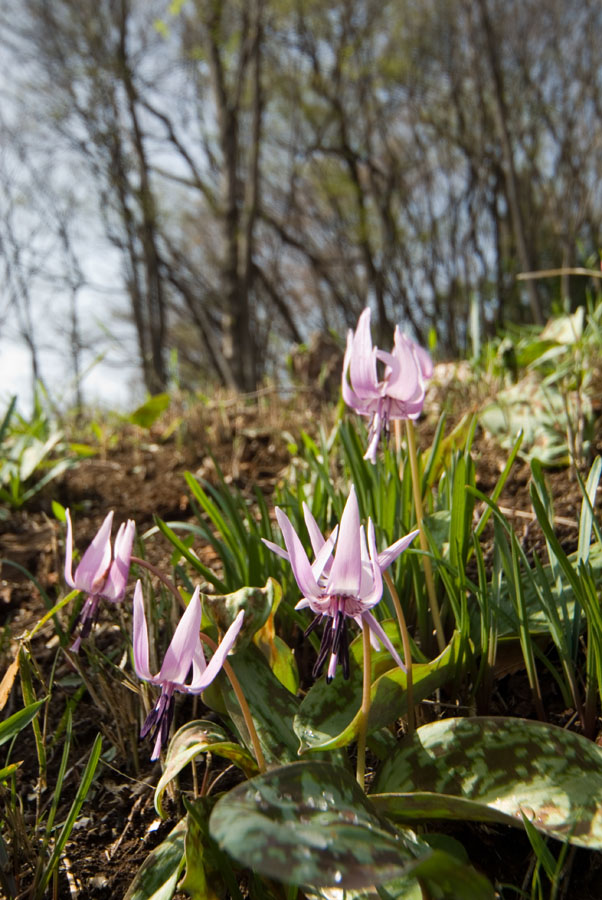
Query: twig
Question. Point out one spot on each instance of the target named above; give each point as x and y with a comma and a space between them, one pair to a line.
551, 273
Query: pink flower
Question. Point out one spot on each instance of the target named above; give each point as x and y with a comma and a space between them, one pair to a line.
102, 572
345, 586
184, 652
400, 392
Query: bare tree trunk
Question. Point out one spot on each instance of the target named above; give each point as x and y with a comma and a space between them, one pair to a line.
154, 312
238, 234
508, 156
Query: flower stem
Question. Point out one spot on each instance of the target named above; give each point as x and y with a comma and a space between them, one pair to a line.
365, 709
242, 702
407, 651
428, 571
244, 706
162, 578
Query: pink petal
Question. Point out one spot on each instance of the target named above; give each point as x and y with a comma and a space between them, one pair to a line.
140, 636
92, 571
362, 364
298, 557
116, 583
374, 436
375, 593
391, 553
323, 562
276, 549
349, 395
304, 603
424, 361
178, 658
369, 621
218, 658
69, 552
345, 575
313, 529
403, 381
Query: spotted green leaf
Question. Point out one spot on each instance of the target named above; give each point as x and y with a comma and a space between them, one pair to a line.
209, 875
197, 737
256, 602
272, 706
309, 823
497, 769
158, 876
329, 715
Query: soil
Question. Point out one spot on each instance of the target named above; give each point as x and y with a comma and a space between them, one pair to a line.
142, 475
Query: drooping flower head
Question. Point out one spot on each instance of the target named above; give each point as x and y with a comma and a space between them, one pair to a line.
184, 652
399, 394
340, 587
102, 572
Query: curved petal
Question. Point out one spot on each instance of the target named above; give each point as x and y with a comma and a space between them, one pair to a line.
298, 557
204, 679
313, 529
92, 571
403, 381
372, 597
374, 436
322, 564
349, 395
391, 553
279, 551
345, 574
69, 552
178, 658
116, 583
369, 621
140, 636
362, 364
424, 361
303, 603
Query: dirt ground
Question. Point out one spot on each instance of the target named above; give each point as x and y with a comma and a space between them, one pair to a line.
138, 477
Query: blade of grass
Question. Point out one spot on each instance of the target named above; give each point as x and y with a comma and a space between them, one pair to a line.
82, 793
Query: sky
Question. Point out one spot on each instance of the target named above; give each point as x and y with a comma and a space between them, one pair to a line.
110, 383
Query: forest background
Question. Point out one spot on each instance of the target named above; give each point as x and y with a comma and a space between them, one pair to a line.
189, 188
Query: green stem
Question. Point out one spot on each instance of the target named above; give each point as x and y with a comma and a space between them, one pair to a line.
407, 650
365, 708
428, 571
244, 706
242, 702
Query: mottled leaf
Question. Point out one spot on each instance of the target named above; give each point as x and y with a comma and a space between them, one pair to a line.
415, 807
507, 767
256, 602
272, 706
442, 875
208, 873
278, 654
329, 715
158, 876
405, 888
310, 823
197, 737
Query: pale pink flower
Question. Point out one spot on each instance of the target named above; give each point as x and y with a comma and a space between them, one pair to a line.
345, 586
102, 572
184, 653
399, 394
